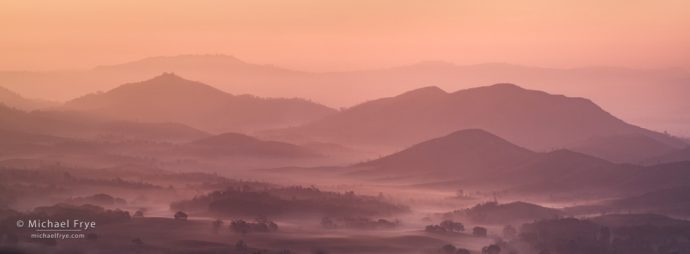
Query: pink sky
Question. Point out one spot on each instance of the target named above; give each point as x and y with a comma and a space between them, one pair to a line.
345, 34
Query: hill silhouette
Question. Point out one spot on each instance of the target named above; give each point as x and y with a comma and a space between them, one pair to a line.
170, 98
668, 201
478, 159
673, 156
528, 118
501, 214
630, 148
15, 100
78, 125
465, 153
234, 144
619, 90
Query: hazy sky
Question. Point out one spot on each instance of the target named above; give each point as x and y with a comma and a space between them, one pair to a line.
347, 34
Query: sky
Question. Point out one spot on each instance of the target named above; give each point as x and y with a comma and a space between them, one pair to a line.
322, 35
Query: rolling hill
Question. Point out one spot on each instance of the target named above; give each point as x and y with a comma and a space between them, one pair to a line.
619, 90
79, 125
12, 99
170, 98
234, 144
528, 118
671, 201
502, 214
462, 154
478, 159
673, 156
629, 148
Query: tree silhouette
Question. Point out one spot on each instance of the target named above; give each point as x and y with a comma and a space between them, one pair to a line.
448, 249
462, 251
479, 232
509, 232
491, 249
452, 226
180, 215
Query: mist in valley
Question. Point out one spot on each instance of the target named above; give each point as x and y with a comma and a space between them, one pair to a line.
493, 169
344, 127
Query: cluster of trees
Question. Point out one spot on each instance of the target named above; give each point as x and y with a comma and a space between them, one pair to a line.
479, 231
242, 247
495, 213
180, 215
358, 223
261, 225
509, 232
295, 200
450, 226
651, 239
451, 249
138, 214
446, 226
567, 235
491, 249
576, 236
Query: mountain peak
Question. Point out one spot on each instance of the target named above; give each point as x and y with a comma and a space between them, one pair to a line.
170, 82
502, 89
473, 134
469, 138
432, 64
424, 92
15, 100
505, 86
178, 62
171, 98
226, 139
168, 76
465, 150
165, 89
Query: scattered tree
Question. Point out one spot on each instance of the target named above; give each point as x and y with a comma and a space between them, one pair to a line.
260, 225
446, 226
139, 214
491, 249
462, 251
180, 215
509, 232
452, 226
479, 232
448, 249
